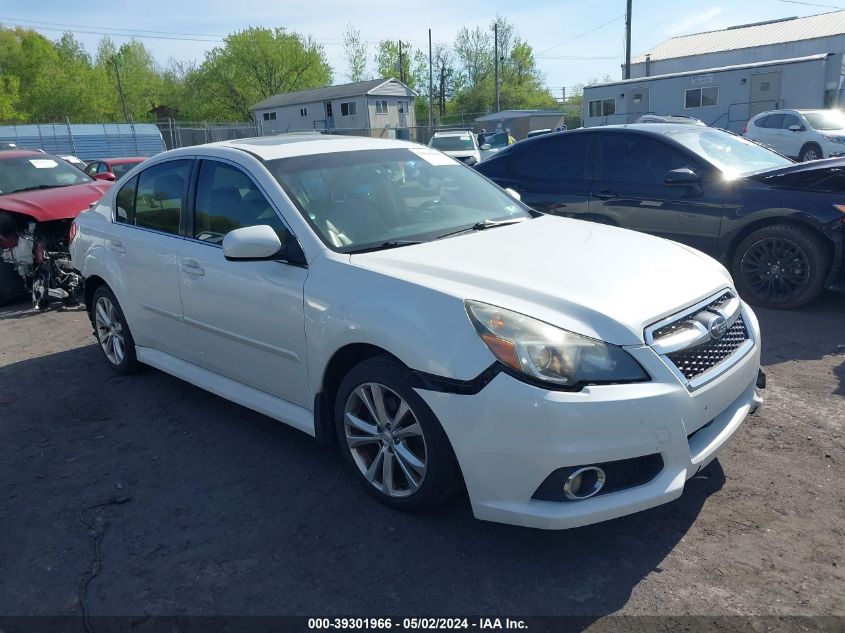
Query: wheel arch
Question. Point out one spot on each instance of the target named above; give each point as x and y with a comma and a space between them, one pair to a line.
748, 229
340, 363
91, 284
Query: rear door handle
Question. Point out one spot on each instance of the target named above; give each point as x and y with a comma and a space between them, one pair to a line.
191, 267
117, 246
605, 195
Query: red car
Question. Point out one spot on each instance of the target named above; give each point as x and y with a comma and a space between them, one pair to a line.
40, 195
112, 168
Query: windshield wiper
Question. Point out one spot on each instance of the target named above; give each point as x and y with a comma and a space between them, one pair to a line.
481, 226
385, 245
38, 187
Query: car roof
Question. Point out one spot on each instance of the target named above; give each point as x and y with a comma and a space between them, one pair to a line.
123, 159
791, 111
22, 153
299, 144
452, 132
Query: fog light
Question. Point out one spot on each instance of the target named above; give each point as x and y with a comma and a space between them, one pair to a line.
584, 483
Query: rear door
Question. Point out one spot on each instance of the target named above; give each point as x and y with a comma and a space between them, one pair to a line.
146, 243
792, 140
771, 132
629, 190
551, 173
245, 319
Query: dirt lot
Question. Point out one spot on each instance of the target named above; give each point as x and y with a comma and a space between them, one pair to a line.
233, 513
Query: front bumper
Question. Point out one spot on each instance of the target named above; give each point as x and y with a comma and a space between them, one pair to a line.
510, 436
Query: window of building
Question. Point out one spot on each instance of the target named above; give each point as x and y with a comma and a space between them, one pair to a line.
403, 107
328, 105
303, 111
160, 197
348, 108
269, 116
701, 97
381, 106
602, 107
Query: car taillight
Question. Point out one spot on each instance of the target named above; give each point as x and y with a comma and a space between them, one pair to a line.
745, 129
73, 231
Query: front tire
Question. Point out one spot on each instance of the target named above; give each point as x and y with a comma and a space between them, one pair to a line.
811, 151
782, 266
112, 332
391, 438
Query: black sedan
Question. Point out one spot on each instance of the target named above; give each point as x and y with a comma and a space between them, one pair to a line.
777, 225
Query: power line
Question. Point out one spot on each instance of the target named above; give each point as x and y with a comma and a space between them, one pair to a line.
133, 35
575, 57
812, 4
580, 35
109, 28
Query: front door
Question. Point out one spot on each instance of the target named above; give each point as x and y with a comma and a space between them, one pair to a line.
630, 191
245, 319
765, 93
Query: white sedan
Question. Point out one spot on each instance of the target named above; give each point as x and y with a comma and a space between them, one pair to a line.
381, 295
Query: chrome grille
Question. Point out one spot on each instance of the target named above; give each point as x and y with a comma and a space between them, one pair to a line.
694, 361
704, 340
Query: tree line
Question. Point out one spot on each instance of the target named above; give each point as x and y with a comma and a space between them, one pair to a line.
43, 80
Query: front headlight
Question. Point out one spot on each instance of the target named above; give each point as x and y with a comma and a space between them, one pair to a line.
834, 139
545, 352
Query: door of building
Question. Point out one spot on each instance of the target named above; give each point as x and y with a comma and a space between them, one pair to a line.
765, 93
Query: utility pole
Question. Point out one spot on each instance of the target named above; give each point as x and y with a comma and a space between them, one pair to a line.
628, 40
430, 81
401, 69
120, 89
496, 55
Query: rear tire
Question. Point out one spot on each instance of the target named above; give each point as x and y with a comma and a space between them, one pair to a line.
112, 332
391, 438
781, 266
811, 151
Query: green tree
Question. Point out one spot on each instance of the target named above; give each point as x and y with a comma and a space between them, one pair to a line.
255, 64
414, 71
355, 54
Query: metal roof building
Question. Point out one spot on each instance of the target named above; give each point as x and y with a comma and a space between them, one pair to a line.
744, 44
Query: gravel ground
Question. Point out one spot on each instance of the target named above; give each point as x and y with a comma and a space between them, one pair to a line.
228, 512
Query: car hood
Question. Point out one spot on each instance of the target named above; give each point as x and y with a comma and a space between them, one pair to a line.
600, 281
814, 165
58, 203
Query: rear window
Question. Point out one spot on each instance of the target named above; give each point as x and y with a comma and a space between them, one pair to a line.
453, 143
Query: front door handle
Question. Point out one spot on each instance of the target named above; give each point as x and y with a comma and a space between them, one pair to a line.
117, 246
191, 267
605, 195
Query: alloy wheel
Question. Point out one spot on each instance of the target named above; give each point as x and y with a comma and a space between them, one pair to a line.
385, 440
775, 268
109, 330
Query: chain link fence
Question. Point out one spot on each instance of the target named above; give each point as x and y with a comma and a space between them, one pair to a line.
189, 133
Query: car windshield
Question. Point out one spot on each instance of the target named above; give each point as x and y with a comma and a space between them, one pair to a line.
26, 173
826, 120
499, 139
733, 155
368, 199
121, 168
456, 143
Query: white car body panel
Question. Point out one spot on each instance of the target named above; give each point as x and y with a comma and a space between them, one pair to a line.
262, 334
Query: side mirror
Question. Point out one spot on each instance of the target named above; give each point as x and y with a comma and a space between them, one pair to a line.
486, 146
105, 175
513, 194
251, 243
796, 128
682, 176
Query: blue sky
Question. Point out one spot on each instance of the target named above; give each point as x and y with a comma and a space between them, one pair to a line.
543, 23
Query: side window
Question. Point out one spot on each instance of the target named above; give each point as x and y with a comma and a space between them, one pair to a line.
560, 157
125, 202
161, 196
775, 121
228, 199
92, 168
637, 159
790, 119
761, 122
102, 168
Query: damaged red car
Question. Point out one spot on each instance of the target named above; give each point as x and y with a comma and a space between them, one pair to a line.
40, 195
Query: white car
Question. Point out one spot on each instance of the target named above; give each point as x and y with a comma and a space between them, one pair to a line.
379, 294
461, 145
800, 134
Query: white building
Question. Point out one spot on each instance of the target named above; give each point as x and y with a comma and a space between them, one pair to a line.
377, 107
725, 77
